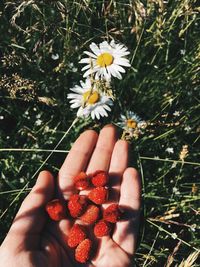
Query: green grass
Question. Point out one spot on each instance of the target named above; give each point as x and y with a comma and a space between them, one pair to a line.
162, 86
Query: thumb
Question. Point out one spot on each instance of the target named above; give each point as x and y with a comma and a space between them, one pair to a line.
31, 216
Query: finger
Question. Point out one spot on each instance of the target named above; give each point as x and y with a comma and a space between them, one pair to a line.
118, 164
76, 161
125, 234
101, 156
31, 216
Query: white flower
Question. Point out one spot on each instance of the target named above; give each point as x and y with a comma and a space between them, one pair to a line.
106, 60
182, 52
55, 56
176, 113
175, 191
89, 101
38, 122
170, 150
131, 122
21, 180
187, 129
38, 116
72, 67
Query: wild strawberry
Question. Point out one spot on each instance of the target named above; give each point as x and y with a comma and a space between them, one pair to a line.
77, 205
81, 181
76, 235
56, 210
98, 195
112, 213
83, 251
91, 215
102, 228
99, 178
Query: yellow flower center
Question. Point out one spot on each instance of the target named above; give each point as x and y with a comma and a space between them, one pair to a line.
105, 60
91, 97
131, 123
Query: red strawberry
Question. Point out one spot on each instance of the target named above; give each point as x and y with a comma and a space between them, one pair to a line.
99, 178
81, 181
112, 213
56, 209
102, 228
98, 195
76, 235
82, 252
91, 215
77, 205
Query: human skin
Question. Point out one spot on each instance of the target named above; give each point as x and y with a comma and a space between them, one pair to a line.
35, 241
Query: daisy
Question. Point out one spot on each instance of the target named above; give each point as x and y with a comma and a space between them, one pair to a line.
89, 101
106, 60
131, 122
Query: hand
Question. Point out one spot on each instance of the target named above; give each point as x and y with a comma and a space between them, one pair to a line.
35, 241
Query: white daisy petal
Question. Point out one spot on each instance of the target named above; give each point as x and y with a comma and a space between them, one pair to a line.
112, 71
95, 49
93, 115
80, 112
90, 54
85, 60
121, 53
88, 72
77, 89
86, 67
115, 72
119, 68
100, 112
103, 112
77, 99
75, 105
97, 114
106, 74
107, 107
71, 96
122, 62
112, 43
104, 47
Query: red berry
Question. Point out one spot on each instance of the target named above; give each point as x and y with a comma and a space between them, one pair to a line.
112, 213
91, 215
77, 205
76, 235
56, 210
82, 252
98, 195
99, 178
102, 228
81, 181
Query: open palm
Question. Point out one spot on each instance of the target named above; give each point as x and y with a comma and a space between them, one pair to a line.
35, 241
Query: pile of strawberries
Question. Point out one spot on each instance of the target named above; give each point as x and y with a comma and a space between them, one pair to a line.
87, 210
